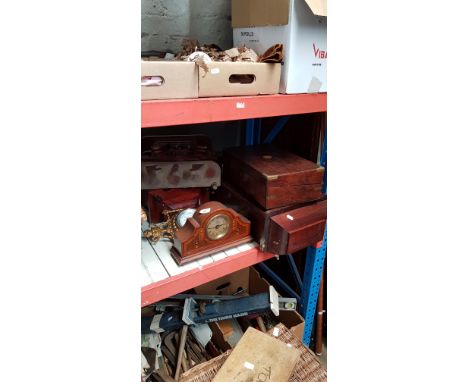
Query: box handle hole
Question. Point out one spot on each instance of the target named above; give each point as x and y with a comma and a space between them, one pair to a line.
241, 78
152, 81
223, 286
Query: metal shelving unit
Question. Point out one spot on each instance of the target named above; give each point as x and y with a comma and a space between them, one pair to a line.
191, 278
202, 110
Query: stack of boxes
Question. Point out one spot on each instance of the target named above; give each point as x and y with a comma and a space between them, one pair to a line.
300, 25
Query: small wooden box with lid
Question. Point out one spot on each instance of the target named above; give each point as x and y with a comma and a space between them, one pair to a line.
279, 192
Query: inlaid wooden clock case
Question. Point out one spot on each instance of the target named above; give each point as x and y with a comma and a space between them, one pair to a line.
191, 242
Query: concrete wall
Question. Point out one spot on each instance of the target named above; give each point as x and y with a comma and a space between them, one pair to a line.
165, 23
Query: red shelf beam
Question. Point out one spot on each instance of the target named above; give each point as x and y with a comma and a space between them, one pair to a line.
201, 110
176, 284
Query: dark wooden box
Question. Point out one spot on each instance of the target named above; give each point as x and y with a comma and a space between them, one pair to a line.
272, 177
297, 229
174, 198
265, 231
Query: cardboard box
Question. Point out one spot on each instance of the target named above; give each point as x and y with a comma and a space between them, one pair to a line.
300, 25
250, 280
179, 79
259, 357
238, 79
228, 285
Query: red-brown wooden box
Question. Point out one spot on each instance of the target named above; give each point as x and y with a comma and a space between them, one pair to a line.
268, 227
297, 229
271, 176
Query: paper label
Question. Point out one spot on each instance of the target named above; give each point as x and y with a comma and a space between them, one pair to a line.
240, 105
214, 71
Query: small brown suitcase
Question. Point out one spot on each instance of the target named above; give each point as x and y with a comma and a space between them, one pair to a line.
265, 231
273, 177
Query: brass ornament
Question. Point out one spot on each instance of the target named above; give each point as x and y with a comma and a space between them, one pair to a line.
165, 229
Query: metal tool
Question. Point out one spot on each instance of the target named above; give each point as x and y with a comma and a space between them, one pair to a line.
196, 309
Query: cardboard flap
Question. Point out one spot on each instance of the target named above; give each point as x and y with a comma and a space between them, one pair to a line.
318, 7
250, 13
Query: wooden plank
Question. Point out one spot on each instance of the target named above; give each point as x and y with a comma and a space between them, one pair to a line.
232, 251
218, 256
204, 261
247, 246
144, 276
259, 357
163, 250
151, 262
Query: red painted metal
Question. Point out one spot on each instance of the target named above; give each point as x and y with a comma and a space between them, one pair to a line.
166, 288
201, 110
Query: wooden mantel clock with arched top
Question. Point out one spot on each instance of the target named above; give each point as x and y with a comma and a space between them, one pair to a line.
213, 228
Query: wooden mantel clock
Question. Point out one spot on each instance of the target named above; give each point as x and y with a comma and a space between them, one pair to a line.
213, 228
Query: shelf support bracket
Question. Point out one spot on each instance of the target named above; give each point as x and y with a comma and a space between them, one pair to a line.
295, 271
280, 282
276, 129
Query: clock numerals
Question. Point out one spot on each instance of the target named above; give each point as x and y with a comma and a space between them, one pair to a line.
218, 227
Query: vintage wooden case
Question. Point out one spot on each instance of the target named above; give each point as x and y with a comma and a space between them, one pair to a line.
271, 176
171, 199
266, 231
192, 241
297, 229
173, 148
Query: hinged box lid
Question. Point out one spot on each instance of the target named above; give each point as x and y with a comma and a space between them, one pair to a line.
273, 163
273, 177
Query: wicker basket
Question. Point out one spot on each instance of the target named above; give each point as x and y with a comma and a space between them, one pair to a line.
308, 368
206, 371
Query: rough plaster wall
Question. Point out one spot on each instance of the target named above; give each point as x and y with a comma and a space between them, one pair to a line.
165, 23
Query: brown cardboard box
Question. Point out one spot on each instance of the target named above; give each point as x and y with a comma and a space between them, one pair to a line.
250, 280
238, 79
228, 285
180, 79
259, 357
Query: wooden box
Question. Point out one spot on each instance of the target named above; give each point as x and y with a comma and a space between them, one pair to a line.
297, 229
266, 231
172, 199
273, 177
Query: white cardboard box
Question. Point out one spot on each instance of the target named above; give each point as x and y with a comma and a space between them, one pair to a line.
300, 25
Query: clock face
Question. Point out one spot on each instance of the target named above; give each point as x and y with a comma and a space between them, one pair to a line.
218, 227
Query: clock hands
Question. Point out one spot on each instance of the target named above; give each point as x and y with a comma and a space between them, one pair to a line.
218, 225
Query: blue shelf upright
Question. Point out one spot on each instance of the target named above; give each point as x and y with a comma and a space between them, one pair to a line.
315, 257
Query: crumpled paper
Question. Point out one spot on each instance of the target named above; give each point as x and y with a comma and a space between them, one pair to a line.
215, 53
201, 55
274, 54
